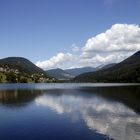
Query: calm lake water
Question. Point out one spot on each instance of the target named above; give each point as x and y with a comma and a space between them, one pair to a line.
69, 112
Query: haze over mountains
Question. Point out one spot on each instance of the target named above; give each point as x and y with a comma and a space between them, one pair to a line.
60, 74
78, 71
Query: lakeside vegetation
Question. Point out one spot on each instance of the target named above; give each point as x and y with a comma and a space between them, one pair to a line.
12, 77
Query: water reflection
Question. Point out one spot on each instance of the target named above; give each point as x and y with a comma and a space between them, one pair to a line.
112, 111
102, 115
18, 98
128, 95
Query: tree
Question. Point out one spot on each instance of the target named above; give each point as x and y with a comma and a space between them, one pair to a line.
11, 77
23, 80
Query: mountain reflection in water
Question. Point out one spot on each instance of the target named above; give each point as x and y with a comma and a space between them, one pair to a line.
111, 111
18, 98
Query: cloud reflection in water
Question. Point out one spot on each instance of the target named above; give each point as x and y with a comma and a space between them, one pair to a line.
106, 117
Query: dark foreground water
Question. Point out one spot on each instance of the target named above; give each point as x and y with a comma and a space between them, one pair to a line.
69, 112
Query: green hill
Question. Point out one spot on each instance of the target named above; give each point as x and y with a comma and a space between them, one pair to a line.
22, 64
125, 71
18, 69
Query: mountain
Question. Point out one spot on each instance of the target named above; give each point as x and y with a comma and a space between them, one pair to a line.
22, 64
60, 74
17, 68
78, 71
125, 71
107, 66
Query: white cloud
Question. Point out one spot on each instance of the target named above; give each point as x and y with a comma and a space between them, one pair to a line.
113, 45
121, 37
56, 61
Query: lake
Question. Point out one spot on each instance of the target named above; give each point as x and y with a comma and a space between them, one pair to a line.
70, 111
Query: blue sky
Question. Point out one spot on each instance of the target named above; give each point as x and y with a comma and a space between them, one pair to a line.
41, 29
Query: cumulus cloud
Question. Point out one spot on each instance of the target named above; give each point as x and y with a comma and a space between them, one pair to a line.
121, 37
56, 61
111, 46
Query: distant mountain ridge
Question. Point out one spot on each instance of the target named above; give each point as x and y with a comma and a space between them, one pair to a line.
60, 74
78, 71
69, 74
125, 71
